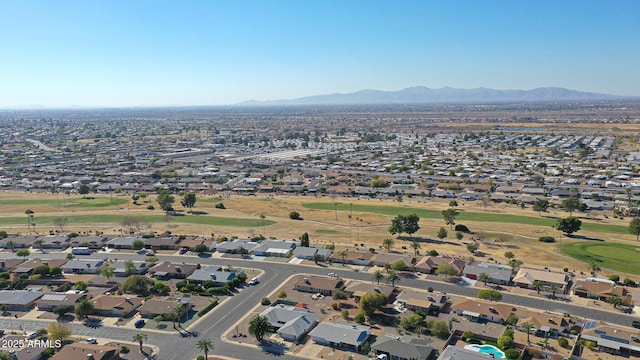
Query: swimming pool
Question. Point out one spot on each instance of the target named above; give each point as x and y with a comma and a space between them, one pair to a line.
486, 349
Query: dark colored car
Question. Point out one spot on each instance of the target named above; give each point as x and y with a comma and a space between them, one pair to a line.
636, 324
139, 323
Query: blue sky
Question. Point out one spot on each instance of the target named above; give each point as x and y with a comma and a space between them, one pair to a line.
149, 53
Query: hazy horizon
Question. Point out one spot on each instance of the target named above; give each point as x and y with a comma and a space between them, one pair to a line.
202, 53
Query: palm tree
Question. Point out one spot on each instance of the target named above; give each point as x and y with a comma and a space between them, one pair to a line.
392, 278
205, 345
484, 277
377, 276
388, 243
554, 289
29, 214
416, 247
260, 327
39, 243
342, 254
84, 308
387, 267
537, 284
140, 338
594, 268
527, 326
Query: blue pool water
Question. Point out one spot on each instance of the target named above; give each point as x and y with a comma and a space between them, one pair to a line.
487, 349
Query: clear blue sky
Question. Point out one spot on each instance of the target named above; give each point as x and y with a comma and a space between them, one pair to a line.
147, 53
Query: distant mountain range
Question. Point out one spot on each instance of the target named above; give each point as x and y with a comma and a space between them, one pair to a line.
425, 95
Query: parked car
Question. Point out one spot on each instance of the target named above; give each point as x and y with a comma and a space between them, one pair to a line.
139, 323
636, 324
92, 341
183, 250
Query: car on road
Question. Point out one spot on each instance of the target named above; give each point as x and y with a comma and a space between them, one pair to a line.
92, 341
31, 335
139, 323
151, 253
636, 324
333, 275
254, 281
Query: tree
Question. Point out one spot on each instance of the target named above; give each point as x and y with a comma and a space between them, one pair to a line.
527, 327
304, 240
129, 268
554, 290
489, 294
392, 278
473, 247
205, 345
505, 342
459, 235
84, 308
416, 247
571, 204
371, 302
107, 272
615, 301
442, 233
396, 225
594, 268
509, 255
453, 203
29, 214
484, 277
294, 215
201, 248
438, 328
568, 225
157, 319
388, 243
136, 284
23, 253
410, 224
413, 322
446, 270
260, 327
342, 254
449, 216
42, 270
377, 276
537, 284
81, 285
165, 200
140, 338
137, 244
189, 201
62, 310
58, 332
83, 190
540, 206
399, 265
634, 228
282, 295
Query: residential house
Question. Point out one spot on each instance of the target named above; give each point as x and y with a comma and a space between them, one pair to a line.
18, 300
527, 276
612, 339
383, 259
88, 266
157, 306
28, 266
340, 335
84, 351
168, 270
601, 290
290, 322
429, 302
50, 301
308, 253
116, 305
359, 289
120, 268
9, 264
234, 246
404, 347
212, 273
123, 242
482, 310
53, 242
90, 241
498, 273
429, 264
163, 243
319, 285
453, 352
363, 258
546, 324
18, 241
280, 248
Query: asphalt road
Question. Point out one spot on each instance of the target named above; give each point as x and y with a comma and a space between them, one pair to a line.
225, 315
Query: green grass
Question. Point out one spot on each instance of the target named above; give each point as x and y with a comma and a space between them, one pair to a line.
324, 231
117, 219
64, 202
464, 216
613, 256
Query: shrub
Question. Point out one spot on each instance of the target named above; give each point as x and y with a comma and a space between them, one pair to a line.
220, 206
468, 334
399, 265
150, 207
359, 318
547, 239
339, 295
207, 308
265, 301
200, 248
432, 253
47, 353
509, 333
505, 342
489, 294
124, 350
462, 228
563, 342
512, 354
614, 277
629, 282
200, 357
294, 215
335, 305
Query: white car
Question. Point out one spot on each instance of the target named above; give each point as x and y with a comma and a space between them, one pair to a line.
254, 281
333, 275
92, 341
